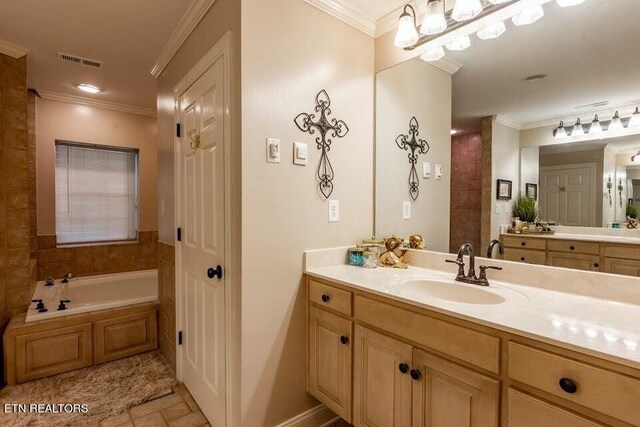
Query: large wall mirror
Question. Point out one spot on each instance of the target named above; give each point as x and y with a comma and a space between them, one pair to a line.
542, 118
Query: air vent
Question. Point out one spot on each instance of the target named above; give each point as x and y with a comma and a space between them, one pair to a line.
534, 78
74, 59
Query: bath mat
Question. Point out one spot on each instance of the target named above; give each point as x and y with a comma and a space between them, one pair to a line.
106, 390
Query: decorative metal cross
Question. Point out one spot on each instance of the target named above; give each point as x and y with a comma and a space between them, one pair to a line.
411, 142
328, 128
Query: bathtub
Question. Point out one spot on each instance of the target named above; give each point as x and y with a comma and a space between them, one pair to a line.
94, 293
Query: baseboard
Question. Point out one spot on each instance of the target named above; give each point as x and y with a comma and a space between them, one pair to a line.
320, 416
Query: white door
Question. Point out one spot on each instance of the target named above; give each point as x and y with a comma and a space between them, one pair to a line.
567, 195
203, 242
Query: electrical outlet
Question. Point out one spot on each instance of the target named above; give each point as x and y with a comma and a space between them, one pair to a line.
406, 210
426, 170
334, 211
439, 171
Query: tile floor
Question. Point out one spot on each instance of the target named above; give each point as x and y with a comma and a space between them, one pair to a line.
176, 409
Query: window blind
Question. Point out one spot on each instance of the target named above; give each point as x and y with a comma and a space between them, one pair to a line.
96, 194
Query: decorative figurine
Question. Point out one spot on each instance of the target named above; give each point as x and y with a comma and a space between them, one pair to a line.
392, 257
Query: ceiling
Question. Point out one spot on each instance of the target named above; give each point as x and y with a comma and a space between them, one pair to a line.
126, 35
588, 53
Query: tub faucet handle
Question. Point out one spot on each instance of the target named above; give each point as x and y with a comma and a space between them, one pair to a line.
49, 281
62, 305
40, 304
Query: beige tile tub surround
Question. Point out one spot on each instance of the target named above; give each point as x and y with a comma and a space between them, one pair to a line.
167, 298
97, 259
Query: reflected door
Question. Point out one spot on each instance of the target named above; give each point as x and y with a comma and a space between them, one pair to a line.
567, 195
202, 247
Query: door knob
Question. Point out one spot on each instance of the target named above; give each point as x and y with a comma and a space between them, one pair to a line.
217, 272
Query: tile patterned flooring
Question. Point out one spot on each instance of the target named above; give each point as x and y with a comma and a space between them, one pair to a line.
175, 409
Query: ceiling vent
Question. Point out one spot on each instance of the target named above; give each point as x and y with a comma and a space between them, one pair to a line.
74, 59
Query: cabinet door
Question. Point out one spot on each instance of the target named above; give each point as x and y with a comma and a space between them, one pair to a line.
382, 385
330, 360
449, 395
525, 411
625, 267
125, 336
574, 261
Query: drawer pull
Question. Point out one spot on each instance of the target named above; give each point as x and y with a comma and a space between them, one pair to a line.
325, 298
568, 385
573, 248
344, 339
523, 243
415, 374
596, 265
522, 259
403, 367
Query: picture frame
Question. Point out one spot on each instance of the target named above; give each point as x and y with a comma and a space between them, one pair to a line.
531, 190
504, 189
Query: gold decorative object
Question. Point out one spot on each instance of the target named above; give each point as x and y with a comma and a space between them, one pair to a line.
392, 257
632, 223
416, 241
194, 136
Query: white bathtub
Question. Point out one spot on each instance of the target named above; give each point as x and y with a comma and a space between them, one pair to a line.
93, 293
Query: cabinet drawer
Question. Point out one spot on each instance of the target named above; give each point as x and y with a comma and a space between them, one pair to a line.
624, 267
526, 411
622, 251
330, 297
524, 242
584, 262
604, 391
468, 345
126, 336
524, 255
574, 247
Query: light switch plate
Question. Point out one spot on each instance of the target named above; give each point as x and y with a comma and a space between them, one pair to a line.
406, 210
426, 170
334, 211
273, 150
439, 171
300, 153
498, 209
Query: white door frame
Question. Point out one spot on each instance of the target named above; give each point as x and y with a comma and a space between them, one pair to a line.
592, 196
220, 51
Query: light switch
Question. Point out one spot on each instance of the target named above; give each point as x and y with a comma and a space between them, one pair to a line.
273, 150
406, 210
438, 171
498, 209
334, 211
161, 207
300, 153
426, 170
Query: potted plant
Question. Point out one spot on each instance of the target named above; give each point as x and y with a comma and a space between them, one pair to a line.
525, 208
632, 211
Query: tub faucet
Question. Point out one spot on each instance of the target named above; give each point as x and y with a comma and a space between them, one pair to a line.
67, 277
492, 245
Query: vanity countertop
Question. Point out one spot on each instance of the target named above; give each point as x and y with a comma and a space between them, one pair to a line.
603, 328
626, 240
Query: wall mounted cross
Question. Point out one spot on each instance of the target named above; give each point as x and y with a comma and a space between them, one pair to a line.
412, 143
327, 128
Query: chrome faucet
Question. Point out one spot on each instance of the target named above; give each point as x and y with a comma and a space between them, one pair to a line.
492, 244
470, 277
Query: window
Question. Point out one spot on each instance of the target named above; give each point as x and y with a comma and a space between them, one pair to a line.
96, 193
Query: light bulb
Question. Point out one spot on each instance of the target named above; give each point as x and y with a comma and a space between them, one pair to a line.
528, 16
492, 31
434, 20
88, 88
407, 34
596, 127
567, 3
433, 55
561, 132
459, 44
616, 123
464, 10
577, 129
635, 119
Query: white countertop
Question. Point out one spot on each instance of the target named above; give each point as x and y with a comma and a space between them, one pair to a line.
589, 325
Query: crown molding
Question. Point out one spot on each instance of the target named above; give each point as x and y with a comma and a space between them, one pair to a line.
105, 105
502, 120
347, 14
185, 27
12, 50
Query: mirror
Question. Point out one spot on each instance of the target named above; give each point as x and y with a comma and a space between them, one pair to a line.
517, 116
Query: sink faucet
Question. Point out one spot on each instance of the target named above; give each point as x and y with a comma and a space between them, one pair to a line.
492, 245
470, 277
67, 277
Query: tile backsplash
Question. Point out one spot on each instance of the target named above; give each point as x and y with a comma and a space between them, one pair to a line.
56, 261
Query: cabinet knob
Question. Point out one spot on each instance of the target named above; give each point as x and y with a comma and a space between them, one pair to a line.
403, 367
568, 385
325, 298
523, 244
596, 265
522, 258
573, 248
344, 339
415, 374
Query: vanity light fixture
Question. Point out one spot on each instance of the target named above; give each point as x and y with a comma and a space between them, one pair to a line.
568, 3
461, 43
492, 31
636, 157
407, 34
499, 1
635, 118
88, 88
578, 130
465, 10
616, 123
434, 21
433, 55
596, 127
528, 16
454, 131
561, 132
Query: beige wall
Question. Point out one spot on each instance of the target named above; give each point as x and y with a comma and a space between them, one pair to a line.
505, 162
290, 51
71, 122
413, 88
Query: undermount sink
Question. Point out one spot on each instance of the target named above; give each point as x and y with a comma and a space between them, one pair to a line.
453, 292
